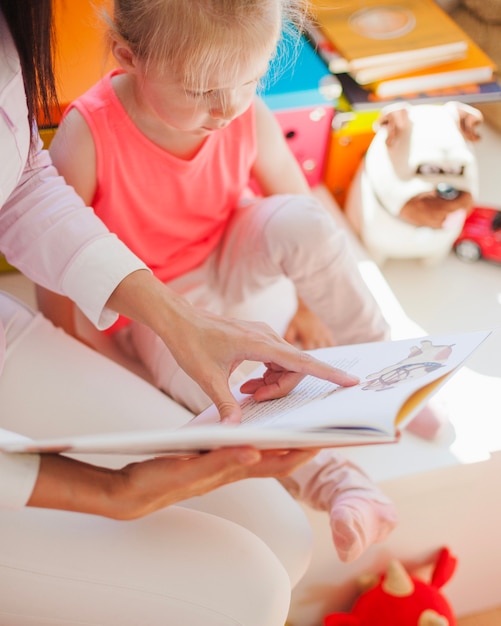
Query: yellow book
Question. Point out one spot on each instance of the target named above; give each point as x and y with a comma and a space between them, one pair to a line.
476, 67
378, 33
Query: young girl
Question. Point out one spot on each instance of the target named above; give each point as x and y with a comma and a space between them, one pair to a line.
164, 149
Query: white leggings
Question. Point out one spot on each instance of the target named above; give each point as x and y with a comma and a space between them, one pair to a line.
228, 558
283, 237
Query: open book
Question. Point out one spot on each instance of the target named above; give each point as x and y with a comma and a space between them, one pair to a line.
396, 379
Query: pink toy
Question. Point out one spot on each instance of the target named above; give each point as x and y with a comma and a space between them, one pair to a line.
307, 133
399, 599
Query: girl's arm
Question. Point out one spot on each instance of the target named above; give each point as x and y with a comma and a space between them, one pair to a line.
59, 309
277, 171
73, 153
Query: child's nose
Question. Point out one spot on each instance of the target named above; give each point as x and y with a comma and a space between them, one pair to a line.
226, 108
223, 113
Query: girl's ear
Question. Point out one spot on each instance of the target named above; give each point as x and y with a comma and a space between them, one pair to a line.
124, 55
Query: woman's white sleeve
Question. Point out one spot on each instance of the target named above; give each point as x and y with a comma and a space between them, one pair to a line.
48, 233
18, 474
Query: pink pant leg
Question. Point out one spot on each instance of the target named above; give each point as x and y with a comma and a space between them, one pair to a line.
295, 236
360, 514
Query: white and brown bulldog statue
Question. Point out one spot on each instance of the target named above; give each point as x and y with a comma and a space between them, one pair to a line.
417, 182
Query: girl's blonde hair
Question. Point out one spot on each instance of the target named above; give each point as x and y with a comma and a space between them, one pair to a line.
189, 36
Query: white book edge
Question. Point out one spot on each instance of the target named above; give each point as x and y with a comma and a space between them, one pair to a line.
433, 81
344, 65
371, 75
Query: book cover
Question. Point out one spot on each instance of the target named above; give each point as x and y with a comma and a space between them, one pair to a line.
396, 379
476, 67
333, 59
361, 98
371, 33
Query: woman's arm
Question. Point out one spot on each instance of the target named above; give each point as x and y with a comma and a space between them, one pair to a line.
142, 488
79, 170
209, 347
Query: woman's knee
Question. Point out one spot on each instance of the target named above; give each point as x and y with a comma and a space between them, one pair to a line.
265, 508
173, 567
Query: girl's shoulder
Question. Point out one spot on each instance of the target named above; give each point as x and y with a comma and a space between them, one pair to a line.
100, 95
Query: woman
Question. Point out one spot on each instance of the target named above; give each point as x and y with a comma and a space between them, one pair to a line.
176, 565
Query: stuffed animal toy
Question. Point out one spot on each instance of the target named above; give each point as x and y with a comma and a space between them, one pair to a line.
399, 599
417, 182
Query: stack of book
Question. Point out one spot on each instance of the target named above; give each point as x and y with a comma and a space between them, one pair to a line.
382, 52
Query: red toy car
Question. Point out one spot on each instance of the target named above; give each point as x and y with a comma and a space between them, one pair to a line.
481, 236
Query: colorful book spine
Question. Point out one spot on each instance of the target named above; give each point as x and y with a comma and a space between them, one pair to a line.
360, 98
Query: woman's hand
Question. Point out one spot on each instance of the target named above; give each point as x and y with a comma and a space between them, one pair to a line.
209, 347
147, 486
307, 331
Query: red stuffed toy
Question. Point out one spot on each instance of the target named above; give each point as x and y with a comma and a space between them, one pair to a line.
399, 599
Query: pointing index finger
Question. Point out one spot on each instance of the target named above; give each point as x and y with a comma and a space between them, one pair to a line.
308, 364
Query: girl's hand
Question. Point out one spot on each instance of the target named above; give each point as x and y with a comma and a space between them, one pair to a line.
307, 331
147, 486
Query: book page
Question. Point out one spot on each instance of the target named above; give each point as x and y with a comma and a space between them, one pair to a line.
391, 374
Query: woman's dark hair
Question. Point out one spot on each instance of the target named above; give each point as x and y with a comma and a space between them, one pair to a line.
31, 25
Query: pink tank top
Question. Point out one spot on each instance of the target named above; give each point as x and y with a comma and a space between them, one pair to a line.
171, 212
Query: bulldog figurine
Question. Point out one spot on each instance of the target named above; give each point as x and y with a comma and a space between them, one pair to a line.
417, 182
